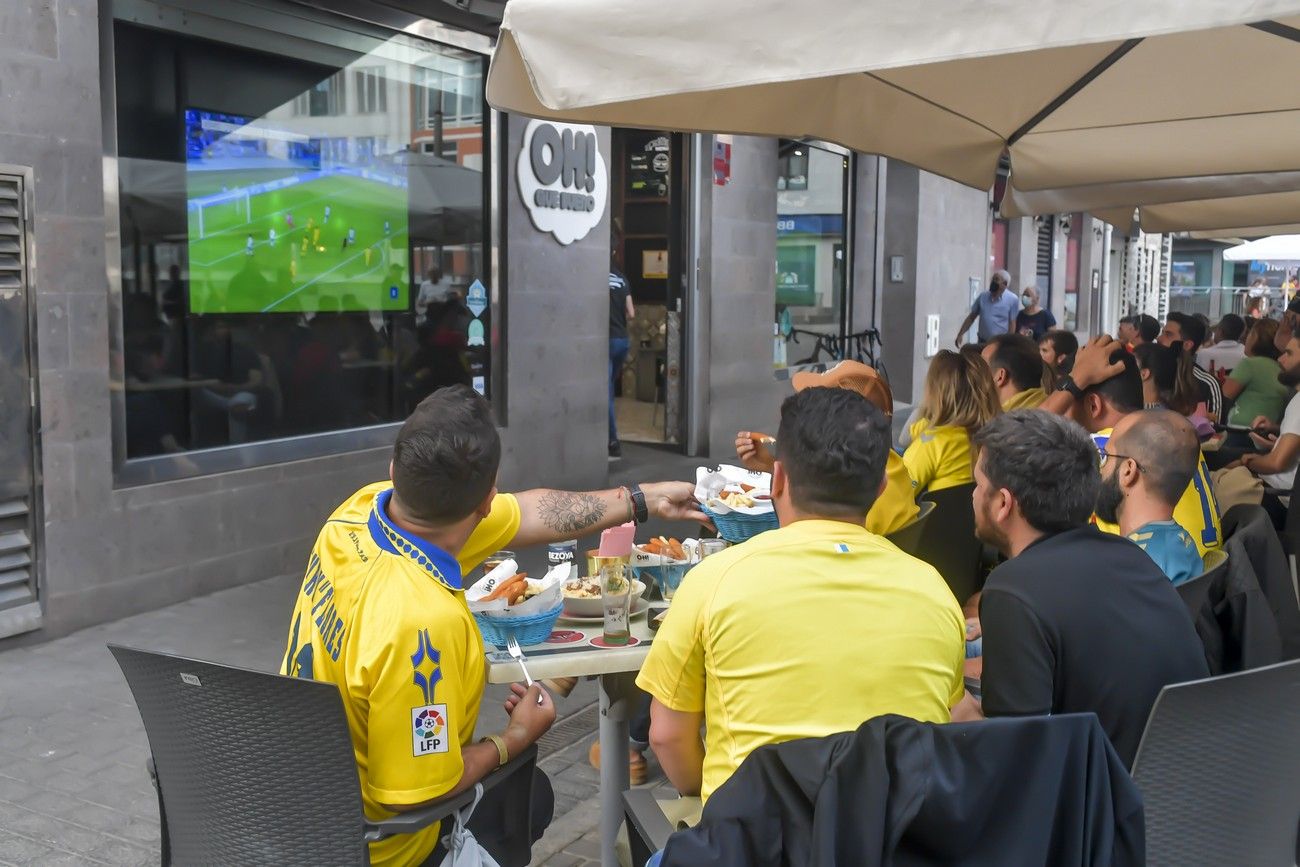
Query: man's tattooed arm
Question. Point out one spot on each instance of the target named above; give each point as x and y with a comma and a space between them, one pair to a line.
569, 512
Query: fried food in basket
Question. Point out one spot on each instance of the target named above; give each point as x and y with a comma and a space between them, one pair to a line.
738, 501
665, 547
508, 587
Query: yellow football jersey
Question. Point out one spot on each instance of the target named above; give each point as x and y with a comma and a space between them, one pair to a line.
382, 614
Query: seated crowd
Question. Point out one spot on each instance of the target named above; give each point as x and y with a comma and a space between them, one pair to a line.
1088, 481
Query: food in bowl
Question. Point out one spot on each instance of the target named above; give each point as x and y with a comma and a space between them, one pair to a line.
582, 596
665, 547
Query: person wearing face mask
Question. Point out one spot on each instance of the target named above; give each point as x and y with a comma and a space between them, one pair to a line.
1146, 465
1033, 321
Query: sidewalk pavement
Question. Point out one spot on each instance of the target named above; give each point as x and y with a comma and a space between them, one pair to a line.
73, 787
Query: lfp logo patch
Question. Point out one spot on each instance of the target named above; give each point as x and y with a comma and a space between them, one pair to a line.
429, 732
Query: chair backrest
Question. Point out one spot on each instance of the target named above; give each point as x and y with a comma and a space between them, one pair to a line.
1219, 769
1195, 592
948, 540
253, 768
908, 537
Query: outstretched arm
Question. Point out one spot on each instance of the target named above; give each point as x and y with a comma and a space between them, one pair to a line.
555, 516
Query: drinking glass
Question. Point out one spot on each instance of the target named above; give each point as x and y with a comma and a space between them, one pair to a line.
615, 597
497, 559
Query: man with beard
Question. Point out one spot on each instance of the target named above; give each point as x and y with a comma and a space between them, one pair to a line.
1075, 620
1146, 465
1276, 467
1103, 387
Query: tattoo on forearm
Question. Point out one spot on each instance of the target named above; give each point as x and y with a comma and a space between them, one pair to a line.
567, 512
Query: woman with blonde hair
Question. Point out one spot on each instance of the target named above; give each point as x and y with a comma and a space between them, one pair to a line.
959, 399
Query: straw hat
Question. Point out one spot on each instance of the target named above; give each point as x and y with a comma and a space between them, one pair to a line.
853, 375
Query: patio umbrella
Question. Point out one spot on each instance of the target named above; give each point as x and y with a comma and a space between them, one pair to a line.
1264, 209
1275, 248
1079, 93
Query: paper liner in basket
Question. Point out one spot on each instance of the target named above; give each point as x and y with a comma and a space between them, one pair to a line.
550, 596
709, 485
642, 559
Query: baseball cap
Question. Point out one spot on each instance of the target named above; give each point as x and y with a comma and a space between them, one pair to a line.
853, 375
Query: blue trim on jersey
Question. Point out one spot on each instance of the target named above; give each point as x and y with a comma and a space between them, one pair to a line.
421, 552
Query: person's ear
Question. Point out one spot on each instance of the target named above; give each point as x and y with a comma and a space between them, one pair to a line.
1004, 506
390, 470
884, 483
1093, 404
1145, 374
779, 480
1000, 377
485, 508
1129, 474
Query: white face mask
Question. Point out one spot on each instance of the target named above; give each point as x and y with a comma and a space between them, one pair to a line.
1026, 301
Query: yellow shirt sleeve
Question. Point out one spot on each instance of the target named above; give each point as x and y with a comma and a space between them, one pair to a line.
402, 767
674, 669
922, 462
494, 533
896, 507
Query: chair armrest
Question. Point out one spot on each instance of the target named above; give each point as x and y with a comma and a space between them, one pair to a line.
646, 819
416, 820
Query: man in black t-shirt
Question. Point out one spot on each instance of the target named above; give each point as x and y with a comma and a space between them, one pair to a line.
1076, 620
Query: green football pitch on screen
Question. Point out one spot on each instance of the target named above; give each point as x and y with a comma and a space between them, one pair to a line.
336, 242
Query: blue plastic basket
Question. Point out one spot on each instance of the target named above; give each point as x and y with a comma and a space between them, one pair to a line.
532, 629
736, 527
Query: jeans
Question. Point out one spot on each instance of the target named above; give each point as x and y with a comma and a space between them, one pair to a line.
618, 347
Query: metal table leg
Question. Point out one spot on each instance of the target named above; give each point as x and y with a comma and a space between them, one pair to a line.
616, 692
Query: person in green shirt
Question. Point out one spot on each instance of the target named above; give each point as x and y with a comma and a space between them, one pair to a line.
1253, 383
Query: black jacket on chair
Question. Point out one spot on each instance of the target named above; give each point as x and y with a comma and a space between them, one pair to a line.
1251, 537
1232, 617
1031, 790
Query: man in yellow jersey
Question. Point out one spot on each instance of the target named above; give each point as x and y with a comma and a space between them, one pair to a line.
1017, 368
896, 507
382, 612
753, 648
1105, 386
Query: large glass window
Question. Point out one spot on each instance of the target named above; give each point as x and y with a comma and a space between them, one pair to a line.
810, 273
301, 252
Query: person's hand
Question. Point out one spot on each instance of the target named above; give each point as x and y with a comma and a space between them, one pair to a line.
529, 719
1233, 465
673, 501
958, 341
1092, 365
1264, 444
1262, 425
750, 455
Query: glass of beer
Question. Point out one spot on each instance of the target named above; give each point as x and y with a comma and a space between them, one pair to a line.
497, 559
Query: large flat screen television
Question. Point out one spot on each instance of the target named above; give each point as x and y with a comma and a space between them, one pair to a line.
285, 219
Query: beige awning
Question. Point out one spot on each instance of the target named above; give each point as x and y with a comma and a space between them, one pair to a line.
1266, 209
1080, 93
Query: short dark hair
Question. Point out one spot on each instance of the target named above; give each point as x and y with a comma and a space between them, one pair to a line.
1063, 342
1128, 320
1148, 327
1018, 356
833, 444
1165, 445
1123, 390
1231, 327
1192, 328
446, 456
1047, 462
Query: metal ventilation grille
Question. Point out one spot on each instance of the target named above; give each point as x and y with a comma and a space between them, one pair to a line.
1044, 264
17, 572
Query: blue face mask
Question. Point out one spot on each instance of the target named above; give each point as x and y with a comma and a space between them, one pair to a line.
1026, 301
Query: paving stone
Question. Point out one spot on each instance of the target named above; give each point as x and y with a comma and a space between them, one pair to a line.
118, 852
586, 846
23, 850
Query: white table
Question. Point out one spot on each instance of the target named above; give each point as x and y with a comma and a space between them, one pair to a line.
617, 668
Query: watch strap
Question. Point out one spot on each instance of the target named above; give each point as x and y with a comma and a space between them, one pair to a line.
1067, 383
640, 513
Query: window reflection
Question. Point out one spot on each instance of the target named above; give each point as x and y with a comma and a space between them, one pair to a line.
306, 252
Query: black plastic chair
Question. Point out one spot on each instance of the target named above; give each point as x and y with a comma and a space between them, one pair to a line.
255, 768
908, 537
948, 541
1218, 767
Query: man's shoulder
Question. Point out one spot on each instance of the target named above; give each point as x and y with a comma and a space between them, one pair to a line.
357, 507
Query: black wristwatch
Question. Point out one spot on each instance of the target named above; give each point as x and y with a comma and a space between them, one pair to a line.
640, 513
1067, 383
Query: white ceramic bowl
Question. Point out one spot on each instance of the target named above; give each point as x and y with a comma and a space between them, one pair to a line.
593, 607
